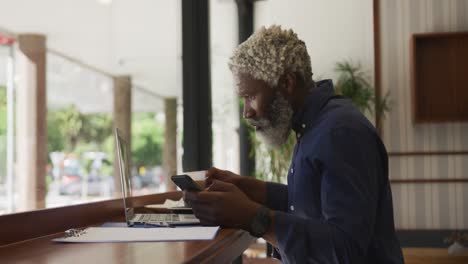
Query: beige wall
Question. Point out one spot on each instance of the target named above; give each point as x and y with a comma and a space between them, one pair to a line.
333, 30
421, 205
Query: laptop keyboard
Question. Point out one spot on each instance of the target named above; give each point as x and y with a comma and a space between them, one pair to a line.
157, 218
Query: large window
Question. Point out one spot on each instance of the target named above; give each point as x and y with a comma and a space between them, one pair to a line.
79, 133
88, 45
223, 40
6, 129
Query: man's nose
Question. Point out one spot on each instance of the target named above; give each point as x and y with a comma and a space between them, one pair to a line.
249, 112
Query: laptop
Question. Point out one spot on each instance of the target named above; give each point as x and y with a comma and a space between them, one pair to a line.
146, 219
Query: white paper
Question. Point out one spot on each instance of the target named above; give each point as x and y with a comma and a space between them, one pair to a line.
128, 234
196, 175
168, 204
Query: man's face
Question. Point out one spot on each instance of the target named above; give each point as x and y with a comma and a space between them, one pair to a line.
266, 109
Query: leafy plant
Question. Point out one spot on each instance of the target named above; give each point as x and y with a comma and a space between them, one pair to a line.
3, 113
458, 237
74, 132
355, 84
64, 126
273, 164
147, 140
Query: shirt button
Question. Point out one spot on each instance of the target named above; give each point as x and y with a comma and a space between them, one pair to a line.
298, 135
292, 170
292, 207
303, 125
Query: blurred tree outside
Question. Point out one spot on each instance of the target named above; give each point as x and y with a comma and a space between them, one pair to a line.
67, 127
147, 140
73, 132
3, 114
3, 127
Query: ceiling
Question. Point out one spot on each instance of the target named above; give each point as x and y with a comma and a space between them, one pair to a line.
141, 38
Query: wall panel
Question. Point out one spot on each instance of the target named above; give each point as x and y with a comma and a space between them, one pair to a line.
440, 205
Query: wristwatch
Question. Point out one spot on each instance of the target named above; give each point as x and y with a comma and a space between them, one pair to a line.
260, 222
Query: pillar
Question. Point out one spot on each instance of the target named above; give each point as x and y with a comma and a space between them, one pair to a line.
122, 116
197, 134
245, 18
31, 122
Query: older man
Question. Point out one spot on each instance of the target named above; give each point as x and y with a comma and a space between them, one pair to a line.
337, 206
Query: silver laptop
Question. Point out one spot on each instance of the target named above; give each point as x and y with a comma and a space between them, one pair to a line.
130, 216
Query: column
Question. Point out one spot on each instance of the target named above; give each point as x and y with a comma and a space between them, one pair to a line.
196, 85
170, 141
31, 122
245, 15
122, 119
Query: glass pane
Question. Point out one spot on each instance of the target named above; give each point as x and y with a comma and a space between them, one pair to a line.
223, 34
6, 130
83, 57
80, 141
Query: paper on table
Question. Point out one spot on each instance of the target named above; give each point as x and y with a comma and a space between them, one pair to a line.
128, 234
180, 204
196, 175
167, 204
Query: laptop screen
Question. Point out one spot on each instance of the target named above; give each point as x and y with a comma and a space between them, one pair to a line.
125, 177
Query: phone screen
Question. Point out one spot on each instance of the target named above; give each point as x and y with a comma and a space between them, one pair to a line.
186, 183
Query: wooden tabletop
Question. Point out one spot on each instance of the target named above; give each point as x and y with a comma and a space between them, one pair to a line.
227, 245
432, 256
32, 243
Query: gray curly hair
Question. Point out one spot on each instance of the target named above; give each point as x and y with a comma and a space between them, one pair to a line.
269, 53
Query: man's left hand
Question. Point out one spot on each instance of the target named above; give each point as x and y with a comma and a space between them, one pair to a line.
222, 204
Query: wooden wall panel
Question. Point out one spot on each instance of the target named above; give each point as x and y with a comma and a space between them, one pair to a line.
440, 83
421, 205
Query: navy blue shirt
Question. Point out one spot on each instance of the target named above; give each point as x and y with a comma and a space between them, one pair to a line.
337, 206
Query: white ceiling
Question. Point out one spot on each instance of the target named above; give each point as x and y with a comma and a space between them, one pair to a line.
137, 37
143, 38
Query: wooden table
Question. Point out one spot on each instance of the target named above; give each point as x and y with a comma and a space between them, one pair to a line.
26, 238
432, 256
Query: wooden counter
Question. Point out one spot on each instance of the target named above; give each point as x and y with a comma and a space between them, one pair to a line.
432, 256
26, 238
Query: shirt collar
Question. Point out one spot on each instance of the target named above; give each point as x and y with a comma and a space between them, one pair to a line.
315, 101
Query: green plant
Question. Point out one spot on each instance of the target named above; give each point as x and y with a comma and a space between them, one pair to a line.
273, 164
3, 110
3, 131
147, 140
458, 237
355, 84
75, 132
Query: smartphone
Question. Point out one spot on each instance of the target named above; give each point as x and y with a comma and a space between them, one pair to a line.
186, 183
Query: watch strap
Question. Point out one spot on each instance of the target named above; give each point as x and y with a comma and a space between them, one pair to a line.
260, 222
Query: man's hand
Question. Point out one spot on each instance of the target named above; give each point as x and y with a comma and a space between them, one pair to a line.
253, 188
222, 175
222, 203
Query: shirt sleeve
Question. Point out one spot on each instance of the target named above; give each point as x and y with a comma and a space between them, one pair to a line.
349, 169
276, 196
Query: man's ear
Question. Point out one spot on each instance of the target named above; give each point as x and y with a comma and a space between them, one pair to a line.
288, 84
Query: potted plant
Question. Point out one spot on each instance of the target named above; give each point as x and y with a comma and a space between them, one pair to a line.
354, 83
458, 243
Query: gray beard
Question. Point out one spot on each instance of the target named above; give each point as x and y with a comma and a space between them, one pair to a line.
276, 127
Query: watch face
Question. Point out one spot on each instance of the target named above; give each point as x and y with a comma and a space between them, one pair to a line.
260, 222
257, 228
